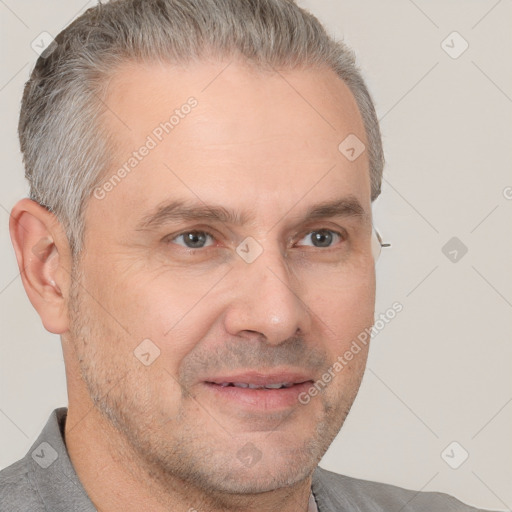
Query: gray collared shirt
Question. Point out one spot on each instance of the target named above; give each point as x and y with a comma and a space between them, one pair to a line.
45, 481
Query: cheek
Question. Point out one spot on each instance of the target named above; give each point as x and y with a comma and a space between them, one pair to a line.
344, 315
173, 312
345, 308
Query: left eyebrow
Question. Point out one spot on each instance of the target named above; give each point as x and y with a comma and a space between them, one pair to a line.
345, 207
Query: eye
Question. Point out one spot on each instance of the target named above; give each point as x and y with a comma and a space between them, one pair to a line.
321, 238
193, 239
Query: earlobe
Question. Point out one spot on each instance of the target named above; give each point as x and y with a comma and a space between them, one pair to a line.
43, 255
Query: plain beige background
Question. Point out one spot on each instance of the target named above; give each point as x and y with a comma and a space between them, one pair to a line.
441, 370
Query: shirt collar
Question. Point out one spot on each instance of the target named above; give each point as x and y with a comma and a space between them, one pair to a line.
50, 470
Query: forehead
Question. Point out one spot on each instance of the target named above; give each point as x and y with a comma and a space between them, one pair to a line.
226, 132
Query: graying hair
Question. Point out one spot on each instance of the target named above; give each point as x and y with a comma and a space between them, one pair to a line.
66, 148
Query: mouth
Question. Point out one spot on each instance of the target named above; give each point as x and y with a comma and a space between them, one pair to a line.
245, 385
263, 391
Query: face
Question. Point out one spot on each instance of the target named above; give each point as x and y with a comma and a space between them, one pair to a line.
225, 272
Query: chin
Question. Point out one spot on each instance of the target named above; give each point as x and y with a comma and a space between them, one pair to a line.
280, 465
265, 478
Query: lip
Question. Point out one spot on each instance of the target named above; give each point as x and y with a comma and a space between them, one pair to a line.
260, 399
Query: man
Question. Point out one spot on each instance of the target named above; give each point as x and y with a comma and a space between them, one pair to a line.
201, 238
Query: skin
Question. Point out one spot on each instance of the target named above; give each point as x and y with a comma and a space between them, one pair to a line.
157, 437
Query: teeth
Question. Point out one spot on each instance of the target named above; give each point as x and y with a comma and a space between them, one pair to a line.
278, 385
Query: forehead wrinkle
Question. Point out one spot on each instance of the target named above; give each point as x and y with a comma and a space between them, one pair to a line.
178, 210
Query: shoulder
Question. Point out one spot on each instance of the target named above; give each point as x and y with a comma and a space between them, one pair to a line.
339, 492
17, 493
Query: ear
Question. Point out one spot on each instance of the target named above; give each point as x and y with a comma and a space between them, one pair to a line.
44, 259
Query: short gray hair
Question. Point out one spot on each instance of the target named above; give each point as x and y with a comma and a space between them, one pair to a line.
65, 146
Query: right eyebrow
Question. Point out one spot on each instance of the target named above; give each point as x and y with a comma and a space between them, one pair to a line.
180, 210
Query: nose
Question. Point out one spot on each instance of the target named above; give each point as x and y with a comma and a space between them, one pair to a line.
266, 301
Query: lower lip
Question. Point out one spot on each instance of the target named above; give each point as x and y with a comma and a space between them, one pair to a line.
265, 399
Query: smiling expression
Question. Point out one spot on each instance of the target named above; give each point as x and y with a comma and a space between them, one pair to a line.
239, 248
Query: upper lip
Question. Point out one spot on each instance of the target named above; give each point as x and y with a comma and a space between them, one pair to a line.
260, 378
